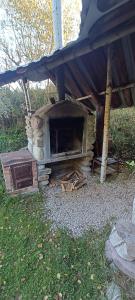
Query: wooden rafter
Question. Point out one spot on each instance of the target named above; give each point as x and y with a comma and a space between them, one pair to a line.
87, 88
85, 48
114, 90
70, 81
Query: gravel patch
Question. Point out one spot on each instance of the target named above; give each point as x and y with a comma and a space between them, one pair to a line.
91, 206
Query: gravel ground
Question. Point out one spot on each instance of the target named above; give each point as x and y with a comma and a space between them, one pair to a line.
91, 206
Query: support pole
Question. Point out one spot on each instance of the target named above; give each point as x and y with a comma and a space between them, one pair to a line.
99, 129
27, 98
106, 116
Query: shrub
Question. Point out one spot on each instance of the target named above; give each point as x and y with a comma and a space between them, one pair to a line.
123, 133
12, 140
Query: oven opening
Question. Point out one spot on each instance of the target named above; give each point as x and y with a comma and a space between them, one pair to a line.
66, 135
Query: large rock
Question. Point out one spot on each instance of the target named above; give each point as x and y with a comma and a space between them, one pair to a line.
122, 239
133, 213
125, 229
122, 251
130, 242
124, 266
114, 238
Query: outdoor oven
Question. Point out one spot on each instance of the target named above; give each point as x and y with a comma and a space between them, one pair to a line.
61, 136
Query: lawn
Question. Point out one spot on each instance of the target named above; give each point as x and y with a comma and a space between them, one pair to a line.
39, 264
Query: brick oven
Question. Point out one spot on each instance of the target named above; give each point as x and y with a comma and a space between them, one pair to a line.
20, 172
61, 136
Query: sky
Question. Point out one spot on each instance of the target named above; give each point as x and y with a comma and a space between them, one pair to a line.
9, 34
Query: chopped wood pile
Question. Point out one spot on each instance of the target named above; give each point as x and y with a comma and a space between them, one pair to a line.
72, 181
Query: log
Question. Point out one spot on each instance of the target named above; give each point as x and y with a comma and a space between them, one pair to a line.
72, 181
106, 116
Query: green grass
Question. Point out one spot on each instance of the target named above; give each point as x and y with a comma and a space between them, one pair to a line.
36, 262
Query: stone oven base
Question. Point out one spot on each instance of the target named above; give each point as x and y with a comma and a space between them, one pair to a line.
60, 168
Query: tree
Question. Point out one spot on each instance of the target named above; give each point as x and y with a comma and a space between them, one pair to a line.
27, 35
29, 29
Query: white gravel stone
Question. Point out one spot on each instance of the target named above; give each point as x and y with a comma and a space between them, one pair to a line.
113, 292
91, 206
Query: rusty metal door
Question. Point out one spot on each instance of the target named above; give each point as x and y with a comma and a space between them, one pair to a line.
22, 175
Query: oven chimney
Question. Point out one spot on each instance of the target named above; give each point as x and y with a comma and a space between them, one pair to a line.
57, 24
57, 30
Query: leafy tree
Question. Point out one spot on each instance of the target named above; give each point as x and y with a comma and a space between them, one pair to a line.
30, 28
27, 35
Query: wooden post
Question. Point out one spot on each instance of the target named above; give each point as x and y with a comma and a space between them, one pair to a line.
106, 116
27, 98
99, 129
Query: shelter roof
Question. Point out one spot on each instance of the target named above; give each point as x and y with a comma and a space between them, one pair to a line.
84, 61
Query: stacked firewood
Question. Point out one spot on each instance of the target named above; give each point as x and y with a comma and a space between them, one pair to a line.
72, 181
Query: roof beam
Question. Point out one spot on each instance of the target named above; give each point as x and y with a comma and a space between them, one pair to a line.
114, 90
81, 48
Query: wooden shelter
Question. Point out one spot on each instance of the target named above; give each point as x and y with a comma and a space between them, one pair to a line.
98, 68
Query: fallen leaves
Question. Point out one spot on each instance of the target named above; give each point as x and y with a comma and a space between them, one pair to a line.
40, 245
58, 276
59, 296
79, 281
40, 256
92, 276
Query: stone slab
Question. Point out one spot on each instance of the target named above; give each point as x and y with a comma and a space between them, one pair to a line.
122, 252
43, 178
115, 239
133, 213
41, 167
25, 191
125, 229
43, 183
131, 246
124, 266
46, 171
15, 157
